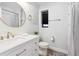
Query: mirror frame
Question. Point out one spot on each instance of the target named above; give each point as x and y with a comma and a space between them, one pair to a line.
20, 25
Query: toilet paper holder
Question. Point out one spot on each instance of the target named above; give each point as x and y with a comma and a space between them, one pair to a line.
52, 38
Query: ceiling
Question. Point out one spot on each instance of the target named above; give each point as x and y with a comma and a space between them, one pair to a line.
40, 3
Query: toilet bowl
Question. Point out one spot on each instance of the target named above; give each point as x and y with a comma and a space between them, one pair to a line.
43, 48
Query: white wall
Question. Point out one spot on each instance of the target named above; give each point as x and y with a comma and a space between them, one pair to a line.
58, 29
33, 25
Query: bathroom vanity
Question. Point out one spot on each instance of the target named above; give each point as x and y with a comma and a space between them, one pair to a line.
20, 46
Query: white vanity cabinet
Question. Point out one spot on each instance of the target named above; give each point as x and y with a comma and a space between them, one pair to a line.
28, 48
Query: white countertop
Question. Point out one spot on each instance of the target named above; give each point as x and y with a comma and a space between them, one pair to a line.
11, 43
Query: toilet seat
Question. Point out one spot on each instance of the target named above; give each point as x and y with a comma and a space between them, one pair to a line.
43, 44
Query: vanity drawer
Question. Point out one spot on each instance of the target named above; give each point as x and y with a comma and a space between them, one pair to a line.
18, 52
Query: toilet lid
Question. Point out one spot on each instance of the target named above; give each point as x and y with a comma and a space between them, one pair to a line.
43, 44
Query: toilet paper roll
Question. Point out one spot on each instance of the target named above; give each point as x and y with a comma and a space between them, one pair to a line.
52, 39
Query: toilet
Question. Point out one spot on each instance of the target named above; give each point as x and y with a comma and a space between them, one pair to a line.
43, 48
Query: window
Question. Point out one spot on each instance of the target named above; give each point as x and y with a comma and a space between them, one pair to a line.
44, 16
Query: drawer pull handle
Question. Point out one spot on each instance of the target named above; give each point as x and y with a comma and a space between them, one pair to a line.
21, 52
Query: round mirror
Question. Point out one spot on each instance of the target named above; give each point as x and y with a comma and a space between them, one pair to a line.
12, 14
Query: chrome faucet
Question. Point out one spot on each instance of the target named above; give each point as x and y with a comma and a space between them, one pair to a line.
9, 34
1, 37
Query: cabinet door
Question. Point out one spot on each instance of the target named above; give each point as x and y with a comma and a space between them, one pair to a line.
34, 47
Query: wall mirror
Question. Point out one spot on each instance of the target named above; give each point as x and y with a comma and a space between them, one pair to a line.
12, 14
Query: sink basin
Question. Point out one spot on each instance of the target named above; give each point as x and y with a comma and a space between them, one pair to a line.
22, 35
20, 39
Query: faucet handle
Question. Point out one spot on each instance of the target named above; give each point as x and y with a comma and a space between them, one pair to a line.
7, 35
11, 34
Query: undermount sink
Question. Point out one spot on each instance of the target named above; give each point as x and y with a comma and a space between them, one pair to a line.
22, 35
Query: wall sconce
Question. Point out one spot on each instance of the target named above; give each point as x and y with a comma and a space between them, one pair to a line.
30, 17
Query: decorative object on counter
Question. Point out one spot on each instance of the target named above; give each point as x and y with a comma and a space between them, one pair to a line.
36, 33
30, 17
